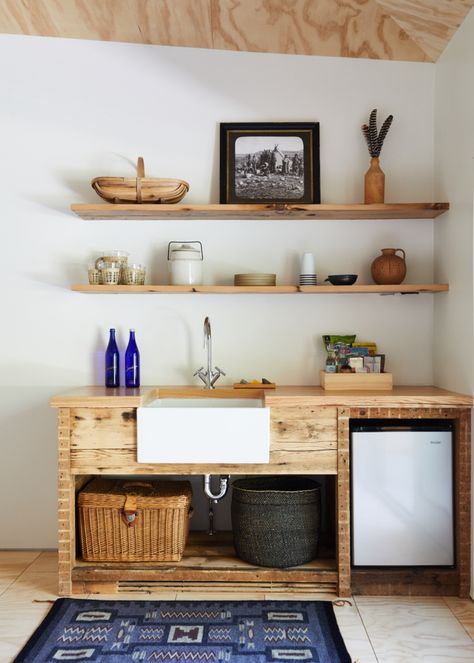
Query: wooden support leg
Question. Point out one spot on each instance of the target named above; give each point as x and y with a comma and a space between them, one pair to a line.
66, 511
343, 556
462, 478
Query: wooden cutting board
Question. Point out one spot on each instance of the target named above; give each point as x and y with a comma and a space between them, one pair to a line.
254, 385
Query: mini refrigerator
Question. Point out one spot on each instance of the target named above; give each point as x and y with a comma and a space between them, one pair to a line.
402, 492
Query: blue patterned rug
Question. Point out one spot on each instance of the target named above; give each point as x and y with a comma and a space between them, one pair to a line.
235, 631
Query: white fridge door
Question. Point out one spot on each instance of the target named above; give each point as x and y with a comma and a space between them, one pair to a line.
402, 498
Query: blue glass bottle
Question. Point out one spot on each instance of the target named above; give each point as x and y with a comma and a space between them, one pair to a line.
112, 362
132, 362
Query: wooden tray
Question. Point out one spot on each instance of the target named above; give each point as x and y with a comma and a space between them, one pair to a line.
356, 381
255, 385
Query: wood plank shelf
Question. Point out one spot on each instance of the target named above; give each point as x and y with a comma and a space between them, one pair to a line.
178, 212
132, 289
177, 289
207, 562
403, 288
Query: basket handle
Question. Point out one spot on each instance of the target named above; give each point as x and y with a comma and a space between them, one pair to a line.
138, 484
130, 509
129, 512
140, 175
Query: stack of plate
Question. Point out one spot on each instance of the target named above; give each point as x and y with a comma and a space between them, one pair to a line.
308, 279
255, 279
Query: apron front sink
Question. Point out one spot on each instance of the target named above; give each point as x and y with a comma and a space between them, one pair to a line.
204, 431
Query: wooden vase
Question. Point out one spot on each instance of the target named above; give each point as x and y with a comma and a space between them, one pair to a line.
374, 183
389, 269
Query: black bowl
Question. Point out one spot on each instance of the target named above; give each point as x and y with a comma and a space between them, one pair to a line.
342, 279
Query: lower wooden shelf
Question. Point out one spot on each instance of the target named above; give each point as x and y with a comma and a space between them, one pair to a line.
208, 564
403, 288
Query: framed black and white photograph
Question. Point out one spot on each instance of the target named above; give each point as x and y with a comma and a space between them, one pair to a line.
269, 162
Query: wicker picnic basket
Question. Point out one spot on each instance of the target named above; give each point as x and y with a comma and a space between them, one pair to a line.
140, 189
134, 521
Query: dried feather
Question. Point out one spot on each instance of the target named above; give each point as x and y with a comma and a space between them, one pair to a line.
365, 131
374, 139
373, 132
383, 132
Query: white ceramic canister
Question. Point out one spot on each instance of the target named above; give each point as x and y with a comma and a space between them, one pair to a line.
185, 263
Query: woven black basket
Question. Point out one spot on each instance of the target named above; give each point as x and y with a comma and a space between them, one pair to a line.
276, 520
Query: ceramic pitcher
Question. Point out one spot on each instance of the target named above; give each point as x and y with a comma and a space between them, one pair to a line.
389, 268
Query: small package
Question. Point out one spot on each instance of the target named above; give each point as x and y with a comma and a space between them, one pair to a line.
338, 348
357, 364
369, 345
360, 352
373, 364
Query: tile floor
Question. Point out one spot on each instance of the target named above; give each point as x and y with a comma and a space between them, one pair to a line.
375, 629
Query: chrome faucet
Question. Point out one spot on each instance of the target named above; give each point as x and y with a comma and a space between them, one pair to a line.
209, 376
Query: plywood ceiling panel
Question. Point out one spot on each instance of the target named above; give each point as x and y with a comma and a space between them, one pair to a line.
350, 28
415, 30
166, 22
430, 24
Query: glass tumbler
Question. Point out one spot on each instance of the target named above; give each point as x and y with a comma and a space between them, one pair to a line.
110, 273
95, 276
134, 274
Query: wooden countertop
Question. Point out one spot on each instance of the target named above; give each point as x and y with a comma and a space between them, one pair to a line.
411, 396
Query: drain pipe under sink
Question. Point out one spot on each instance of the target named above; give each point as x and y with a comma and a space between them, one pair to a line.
215, 497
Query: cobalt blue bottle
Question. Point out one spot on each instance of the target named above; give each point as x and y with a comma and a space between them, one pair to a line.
112, 362
132, 362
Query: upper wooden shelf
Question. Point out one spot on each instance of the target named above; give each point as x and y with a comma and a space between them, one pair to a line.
255, 212
403, 288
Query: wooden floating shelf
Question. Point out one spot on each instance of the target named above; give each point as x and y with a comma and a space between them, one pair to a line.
403, 288
129, 289
177, 289
243, 289
257, 212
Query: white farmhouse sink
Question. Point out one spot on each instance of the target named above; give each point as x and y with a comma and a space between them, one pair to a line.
203, 430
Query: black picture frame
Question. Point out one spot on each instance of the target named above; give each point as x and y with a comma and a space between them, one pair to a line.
255, 169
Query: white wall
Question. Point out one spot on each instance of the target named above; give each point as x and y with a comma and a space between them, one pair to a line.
454, 173
70, 110
454, 181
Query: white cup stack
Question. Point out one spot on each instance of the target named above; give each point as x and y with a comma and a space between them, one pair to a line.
307, 274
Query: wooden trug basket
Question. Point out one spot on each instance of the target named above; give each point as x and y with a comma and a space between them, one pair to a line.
134, 521
140, 189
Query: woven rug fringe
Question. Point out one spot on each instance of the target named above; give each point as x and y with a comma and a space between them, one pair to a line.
340, 602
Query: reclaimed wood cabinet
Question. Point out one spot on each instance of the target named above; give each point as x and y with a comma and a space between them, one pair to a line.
309, 435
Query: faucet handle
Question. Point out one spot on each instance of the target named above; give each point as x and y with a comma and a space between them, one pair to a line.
198, 371
215, 375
